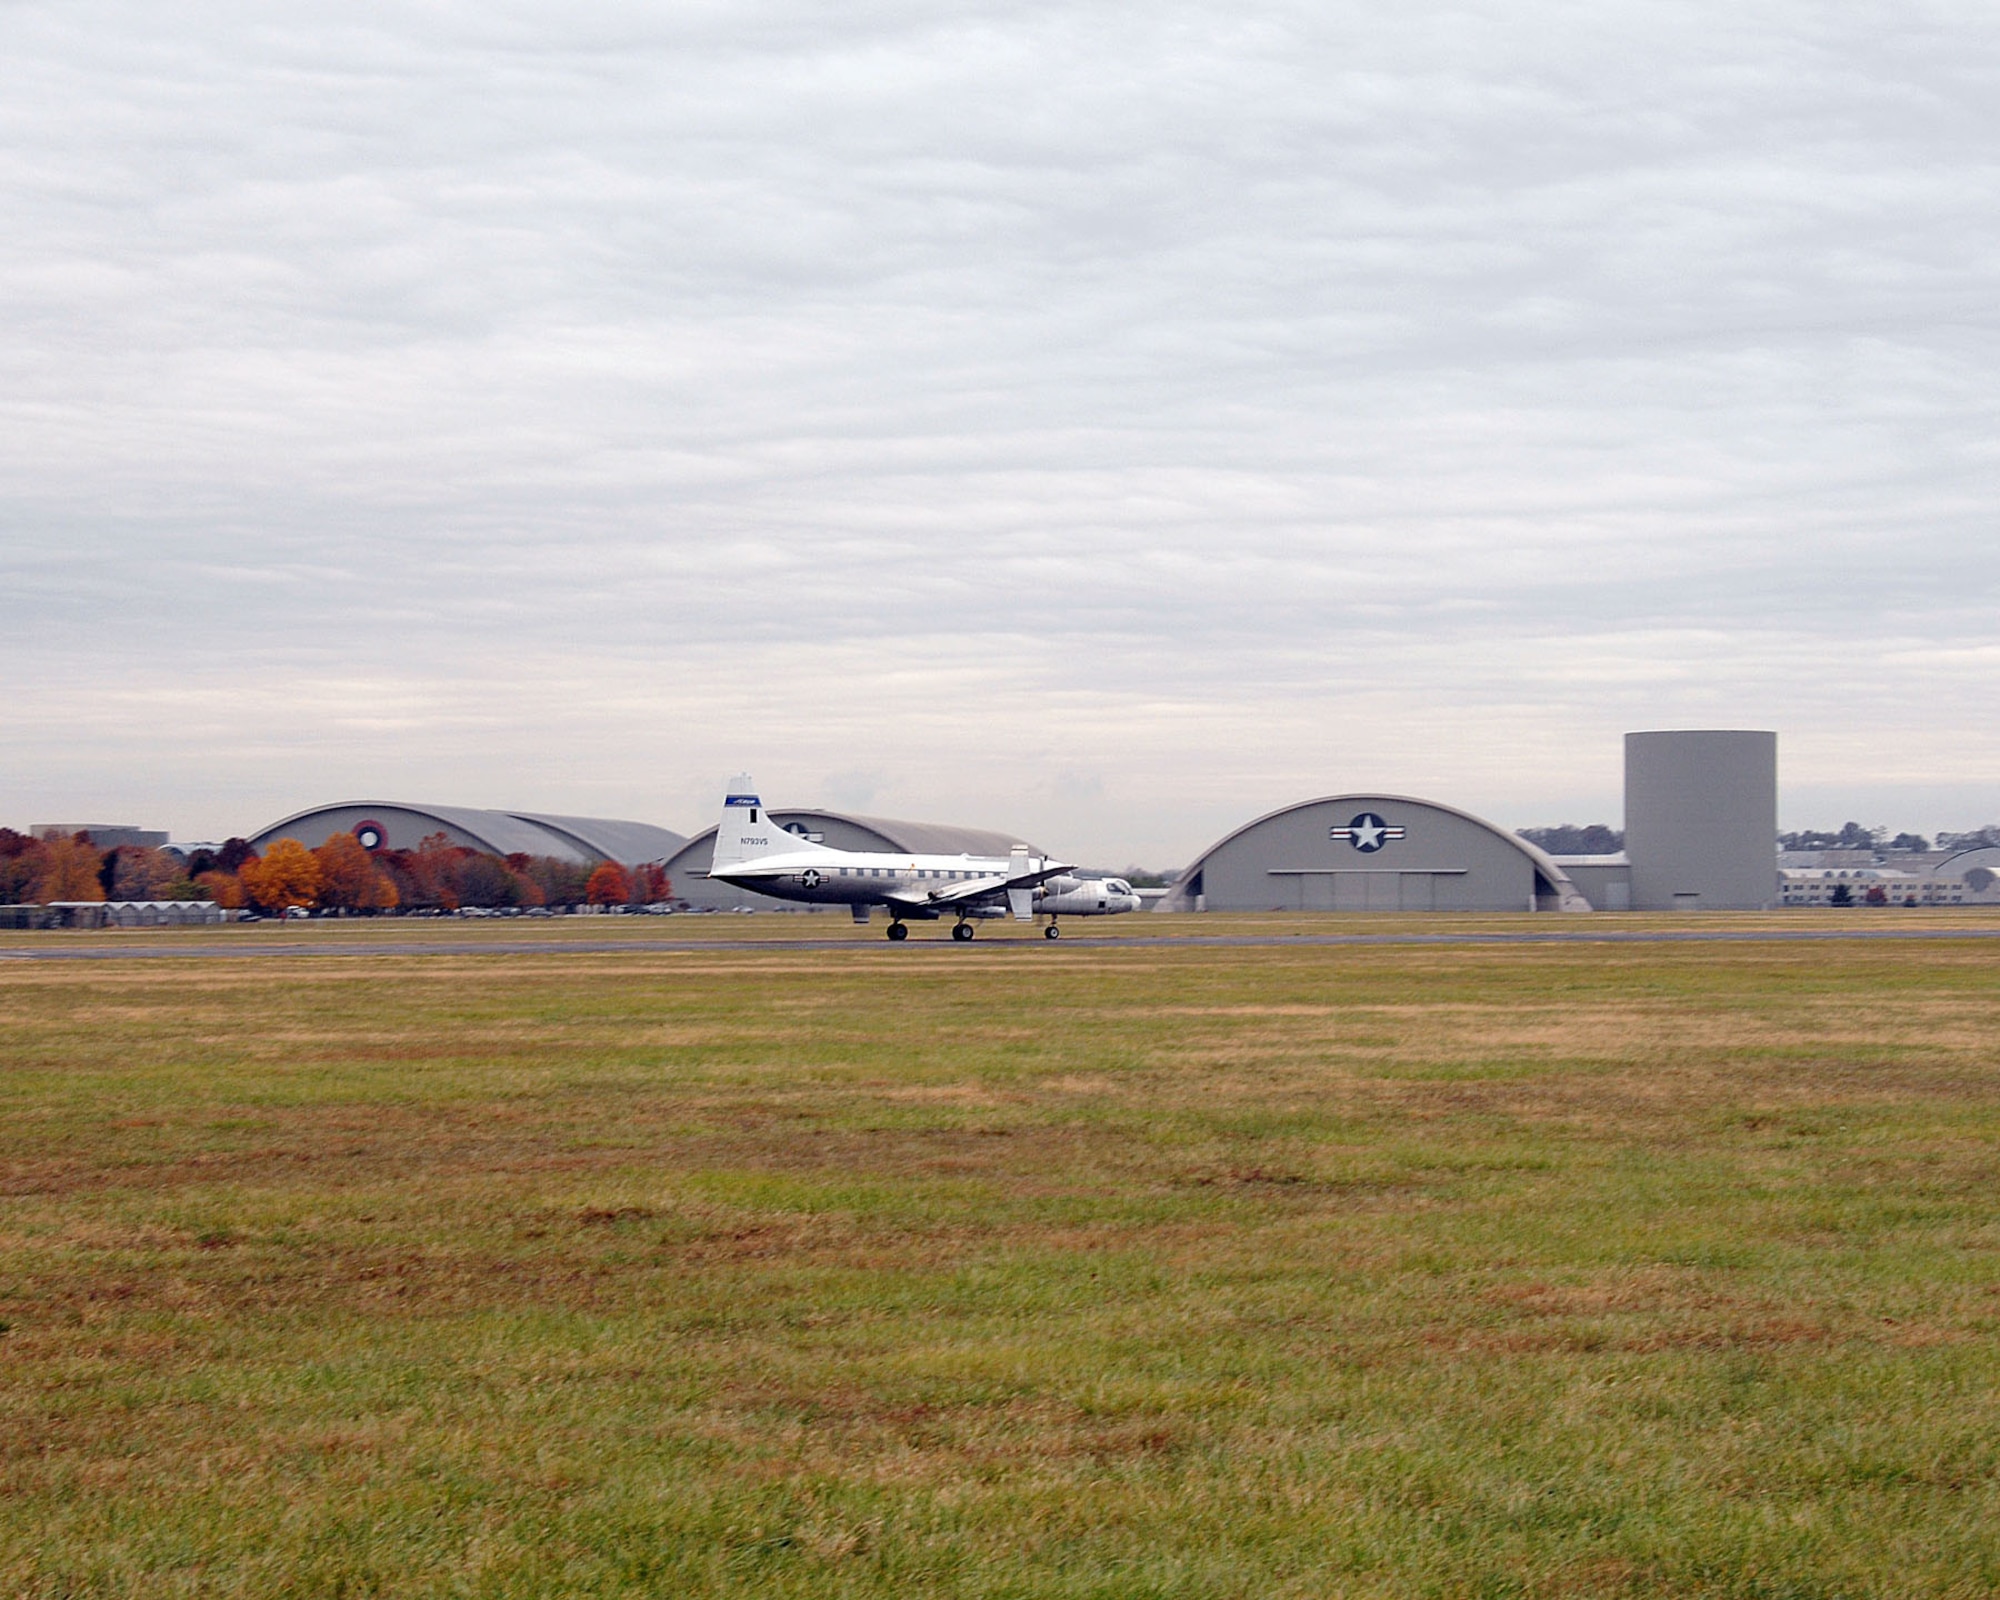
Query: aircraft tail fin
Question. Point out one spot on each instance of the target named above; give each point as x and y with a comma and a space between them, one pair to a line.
746, 830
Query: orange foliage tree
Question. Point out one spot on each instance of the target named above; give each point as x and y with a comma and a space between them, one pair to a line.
349, 877
434, 866
527, 891
224, 888
70, 871
22, 861
287, 876
651, 884
609, 885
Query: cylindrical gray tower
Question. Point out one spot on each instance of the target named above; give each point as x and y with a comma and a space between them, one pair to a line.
1701, 819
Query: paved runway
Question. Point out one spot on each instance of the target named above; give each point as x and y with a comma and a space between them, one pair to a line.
1072, 941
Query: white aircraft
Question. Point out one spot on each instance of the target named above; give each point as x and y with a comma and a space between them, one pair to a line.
753, 852
1086, 897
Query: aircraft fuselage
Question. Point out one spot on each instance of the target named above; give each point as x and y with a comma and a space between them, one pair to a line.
910, 885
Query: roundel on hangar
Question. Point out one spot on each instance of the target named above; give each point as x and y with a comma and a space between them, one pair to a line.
1373, 852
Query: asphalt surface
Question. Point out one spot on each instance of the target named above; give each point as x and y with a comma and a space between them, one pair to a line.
165, 951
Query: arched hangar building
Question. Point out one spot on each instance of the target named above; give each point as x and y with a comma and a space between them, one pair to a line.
399, 825
1373, 852
1701, 820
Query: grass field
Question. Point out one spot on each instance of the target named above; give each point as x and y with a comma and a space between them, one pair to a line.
1011, 1270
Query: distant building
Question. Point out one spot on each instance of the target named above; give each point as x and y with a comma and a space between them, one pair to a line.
1373, 852
1821, 886
1701, 819
1701, 823
1977, 869
105, 835
400, 825
133, 913
1604, 880
1904, 877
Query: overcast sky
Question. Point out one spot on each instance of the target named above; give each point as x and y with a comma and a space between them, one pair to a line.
1104, 422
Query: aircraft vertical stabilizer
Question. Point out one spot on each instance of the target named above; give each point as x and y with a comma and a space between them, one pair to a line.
746, 830
747, 833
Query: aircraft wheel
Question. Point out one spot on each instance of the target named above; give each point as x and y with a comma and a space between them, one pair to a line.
898, 932
1051, 932
962, 932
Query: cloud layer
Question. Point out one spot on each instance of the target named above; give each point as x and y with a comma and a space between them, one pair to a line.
1097, 420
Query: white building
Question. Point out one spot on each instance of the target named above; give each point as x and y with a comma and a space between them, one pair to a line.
1821, 886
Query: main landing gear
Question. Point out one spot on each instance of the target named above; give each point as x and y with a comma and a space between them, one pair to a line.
962, 931
1052, 931
898, 932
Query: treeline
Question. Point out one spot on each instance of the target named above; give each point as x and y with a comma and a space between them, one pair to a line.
1574, 839
1598, 839
340, 875
38, 871
1853, 836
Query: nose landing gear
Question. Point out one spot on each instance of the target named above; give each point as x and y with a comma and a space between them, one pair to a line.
1052, 931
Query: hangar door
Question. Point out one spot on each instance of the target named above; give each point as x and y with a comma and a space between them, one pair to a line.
1365, 888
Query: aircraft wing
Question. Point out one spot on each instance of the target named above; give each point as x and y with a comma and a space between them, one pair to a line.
976, 891
957, 894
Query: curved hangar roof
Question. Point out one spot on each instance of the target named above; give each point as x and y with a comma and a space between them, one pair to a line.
1373, 852
844, 830
1978, 869
502, 833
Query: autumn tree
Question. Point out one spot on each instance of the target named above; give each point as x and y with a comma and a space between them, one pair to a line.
234, 855
562, 883
609, 885
651, 885
397, 867
23, 861
434, 866
527, 892
70, 870
484, 880
224, 888
349, 877
287, 876
138, 872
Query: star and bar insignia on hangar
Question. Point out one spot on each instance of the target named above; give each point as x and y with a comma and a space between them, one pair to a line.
1366, 832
